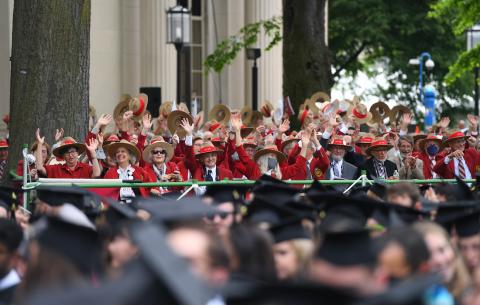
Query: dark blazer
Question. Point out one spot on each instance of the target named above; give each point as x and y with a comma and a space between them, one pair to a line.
390, 166
349, 171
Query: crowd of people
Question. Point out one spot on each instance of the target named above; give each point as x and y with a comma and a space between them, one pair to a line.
267, 243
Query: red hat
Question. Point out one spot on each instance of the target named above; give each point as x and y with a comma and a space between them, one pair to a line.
3, 143
66, 144
365, 139
214, 126
208, 148
110, 139
138, 106
379, 143
455, 136
338, 141
432, 137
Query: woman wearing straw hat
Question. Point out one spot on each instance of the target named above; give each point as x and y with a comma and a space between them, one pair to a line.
126, 155
157, 155
69, 150
461, 162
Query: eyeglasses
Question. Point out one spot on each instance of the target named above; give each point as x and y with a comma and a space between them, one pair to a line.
222, 215
159, 152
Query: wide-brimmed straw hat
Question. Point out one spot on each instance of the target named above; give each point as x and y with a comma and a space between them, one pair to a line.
270, 149
220, 113
66, 144
365, 139
380, 111
359, 112
397, 112
266, 109
379, 143
122, 106
155, 143
288, 142
423, 142
113, 147
339, 142
174, 122
245, 131
138, 105
207, 148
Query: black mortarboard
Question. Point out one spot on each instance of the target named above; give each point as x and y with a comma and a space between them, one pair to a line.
462, 191
171, 211
263, 209
288, 230
464, 215
346, 248
76, 242
288, 294
394, 215
83, 199
277, 190
117, 214
227, 193
378, 189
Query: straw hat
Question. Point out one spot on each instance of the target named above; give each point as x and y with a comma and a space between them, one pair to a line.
220, 113
423, 142
397, 112
380, 111
174, 121
247, 114
158, 142
320, 97
378, 143
455, 136
111, 139
138, 105
418, 136
207, 148
165, 108
365, 139
339, 142
266, 108
270, 149
113, 147
256, 116
287, 142
122, 106
359, 111
245, 131
250, 142
66, 144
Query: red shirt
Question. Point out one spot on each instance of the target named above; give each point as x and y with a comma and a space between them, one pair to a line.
82, 170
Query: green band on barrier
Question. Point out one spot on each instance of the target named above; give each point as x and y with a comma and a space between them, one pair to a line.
234, 182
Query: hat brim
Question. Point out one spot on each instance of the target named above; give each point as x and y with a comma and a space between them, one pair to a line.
386, 147
280, 156
216, 151
139, 116
245, 131
172, 122
250, 145
147, 151
447, 141
375, 110
338, 145
79, 146
364, 120
113, 147
423, 142
121, 108
288, 142
212, 115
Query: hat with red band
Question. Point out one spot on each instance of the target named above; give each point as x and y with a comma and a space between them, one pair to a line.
457, 135
66, 144
338, 142
138, 105
432, 137
379, 144
208, 148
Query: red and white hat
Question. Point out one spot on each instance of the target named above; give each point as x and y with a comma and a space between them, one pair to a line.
455, 136
208, 148
138, 105
66, 144
379, 143
337, 141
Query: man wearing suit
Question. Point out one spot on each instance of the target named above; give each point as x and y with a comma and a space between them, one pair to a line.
462, 162
339, 168
378, 166
409, 166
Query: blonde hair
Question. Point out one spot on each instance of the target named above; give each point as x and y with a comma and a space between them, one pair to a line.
460, 281
262, 162
303, 249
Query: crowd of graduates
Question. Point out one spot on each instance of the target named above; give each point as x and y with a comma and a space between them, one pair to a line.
267, 243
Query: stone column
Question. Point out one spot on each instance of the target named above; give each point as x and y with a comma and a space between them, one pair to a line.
6, 18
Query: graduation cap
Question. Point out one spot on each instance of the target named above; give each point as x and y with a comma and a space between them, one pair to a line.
465, 216
265, 210
171, 211
227, 193
287, 294
462, 191
117, 214
277, 190
346, 247
378, 190
288, 230
71, 236
156, 277
393, 215
83, 199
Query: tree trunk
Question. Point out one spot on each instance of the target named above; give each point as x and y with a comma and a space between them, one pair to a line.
306, 58
49, 71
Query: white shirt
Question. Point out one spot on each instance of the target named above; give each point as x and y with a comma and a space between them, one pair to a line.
214, 172
338, 165
468, 175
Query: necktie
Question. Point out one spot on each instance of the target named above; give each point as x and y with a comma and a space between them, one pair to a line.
309, 173
461, 169
209, 177
336, 172
381, 170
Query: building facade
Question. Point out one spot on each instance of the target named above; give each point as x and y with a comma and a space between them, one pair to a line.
128, 51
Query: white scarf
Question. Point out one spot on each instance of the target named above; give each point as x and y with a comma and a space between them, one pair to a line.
126, 174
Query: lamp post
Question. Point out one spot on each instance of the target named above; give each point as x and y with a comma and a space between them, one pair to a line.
426, 59
254, 54
473, 39
178, 34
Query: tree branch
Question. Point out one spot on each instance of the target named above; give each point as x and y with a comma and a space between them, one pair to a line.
350, 59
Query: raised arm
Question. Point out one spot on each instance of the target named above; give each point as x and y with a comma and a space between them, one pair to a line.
38, 153
92, 146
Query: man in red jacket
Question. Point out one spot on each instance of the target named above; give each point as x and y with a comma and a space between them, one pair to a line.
462, 162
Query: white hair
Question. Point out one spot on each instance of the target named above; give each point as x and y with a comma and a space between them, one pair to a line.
262, 162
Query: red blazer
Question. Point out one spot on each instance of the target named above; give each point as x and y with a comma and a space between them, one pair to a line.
251, 169
319, 165
171, 167
447, 171
222, 173
427, 172
138, 174
296, 171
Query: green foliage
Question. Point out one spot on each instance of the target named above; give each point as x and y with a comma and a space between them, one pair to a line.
228, 49
461, 16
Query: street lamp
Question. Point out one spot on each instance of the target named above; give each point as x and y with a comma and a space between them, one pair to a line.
179, 34
473, 39
254, 54
427, 99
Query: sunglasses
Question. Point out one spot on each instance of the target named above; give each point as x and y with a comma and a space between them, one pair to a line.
222, 215
157, 152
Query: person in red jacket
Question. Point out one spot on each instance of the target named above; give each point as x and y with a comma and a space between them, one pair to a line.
206, 168
429, 153
157, 156
461, 162
126, 155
